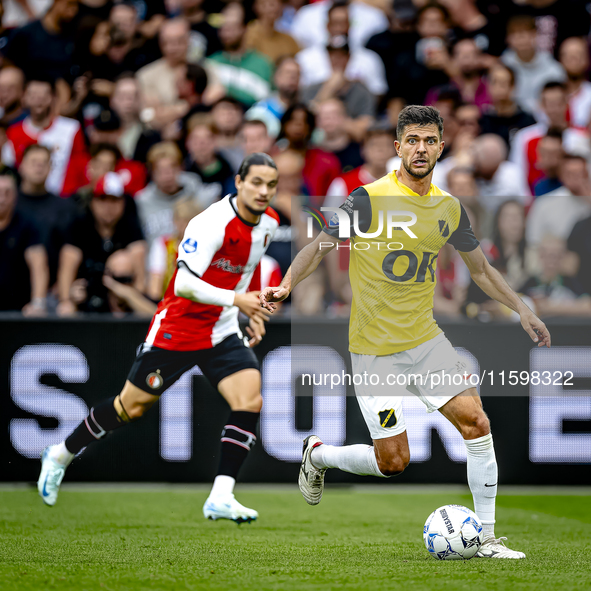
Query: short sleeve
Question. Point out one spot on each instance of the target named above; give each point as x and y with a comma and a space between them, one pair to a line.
203, 238
357, 201
463, 238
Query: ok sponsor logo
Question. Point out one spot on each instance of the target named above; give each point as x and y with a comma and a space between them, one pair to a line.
393, 266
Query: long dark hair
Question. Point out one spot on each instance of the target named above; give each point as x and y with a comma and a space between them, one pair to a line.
501, 262
289, 114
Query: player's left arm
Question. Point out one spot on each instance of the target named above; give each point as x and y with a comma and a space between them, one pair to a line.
492, 284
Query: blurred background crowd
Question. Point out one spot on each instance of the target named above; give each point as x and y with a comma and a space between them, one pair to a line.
121, 120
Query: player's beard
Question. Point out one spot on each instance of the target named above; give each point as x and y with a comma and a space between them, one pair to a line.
255, 211
418, 175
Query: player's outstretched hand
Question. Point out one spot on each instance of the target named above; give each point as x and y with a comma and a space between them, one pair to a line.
256, 331
248, 303
269, 295
535, 328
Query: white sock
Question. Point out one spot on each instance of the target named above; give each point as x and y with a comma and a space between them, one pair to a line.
222, 486
356, 459
60, 454
482, 472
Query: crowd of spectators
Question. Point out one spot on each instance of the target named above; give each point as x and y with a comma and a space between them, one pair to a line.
120, 120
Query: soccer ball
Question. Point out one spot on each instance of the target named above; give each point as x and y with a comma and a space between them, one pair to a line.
453, 532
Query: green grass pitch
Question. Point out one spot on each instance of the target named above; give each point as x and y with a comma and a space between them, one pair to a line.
146, 539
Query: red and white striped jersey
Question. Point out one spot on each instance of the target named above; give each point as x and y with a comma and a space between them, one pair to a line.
63, 137
223, 250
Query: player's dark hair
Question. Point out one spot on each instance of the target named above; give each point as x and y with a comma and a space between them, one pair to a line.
418, 115
256, 159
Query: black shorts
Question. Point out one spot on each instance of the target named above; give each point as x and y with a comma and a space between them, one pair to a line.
155, 370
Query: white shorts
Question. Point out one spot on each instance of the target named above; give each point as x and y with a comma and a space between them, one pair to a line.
427, 371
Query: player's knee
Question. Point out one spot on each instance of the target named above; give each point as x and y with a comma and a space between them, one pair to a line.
255, 404
394, 465
258, 403
136, 410
476, 425
252, 403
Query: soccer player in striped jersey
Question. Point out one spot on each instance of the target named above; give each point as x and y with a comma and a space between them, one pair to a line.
196, 323
398, 224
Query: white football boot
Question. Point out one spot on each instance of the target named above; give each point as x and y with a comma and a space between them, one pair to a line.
311, 479
227, 507
495, 548
52, 474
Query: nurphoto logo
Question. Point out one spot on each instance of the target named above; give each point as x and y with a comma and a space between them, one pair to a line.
390, 220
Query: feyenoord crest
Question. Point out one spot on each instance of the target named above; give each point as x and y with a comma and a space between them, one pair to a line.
154, 380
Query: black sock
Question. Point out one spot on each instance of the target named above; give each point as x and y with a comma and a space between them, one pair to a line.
238, 438
102, 418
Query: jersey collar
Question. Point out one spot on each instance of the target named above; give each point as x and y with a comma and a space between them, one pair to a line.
232, 199
407, 190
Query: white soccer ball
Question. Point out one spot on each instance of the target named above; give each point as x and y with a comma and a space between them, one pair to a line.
453, 532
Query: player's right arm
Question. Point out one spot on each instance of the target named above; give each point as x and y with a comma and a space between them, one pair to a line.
303, 265
310, 256
195, 257
190, 286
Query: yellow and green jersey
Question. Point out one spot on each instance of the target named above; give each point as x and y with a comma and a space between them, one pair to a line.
394, 247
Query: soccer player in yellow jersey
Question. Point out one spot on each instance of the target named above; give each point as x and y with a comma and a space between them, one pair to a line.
398, 224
